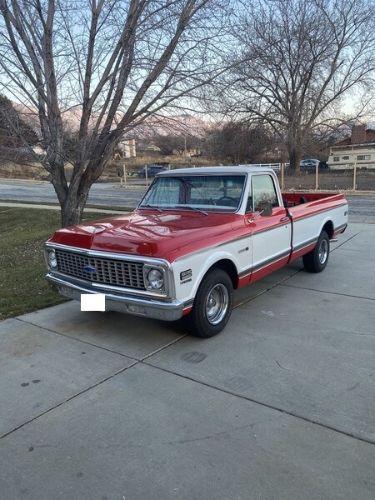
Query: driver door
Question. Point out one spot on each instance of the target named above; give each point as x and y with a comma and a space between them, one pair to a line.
270, 227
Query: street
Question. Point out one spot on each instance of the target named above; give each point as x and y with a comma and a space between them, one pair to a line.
362, 207
280, 405
103, 194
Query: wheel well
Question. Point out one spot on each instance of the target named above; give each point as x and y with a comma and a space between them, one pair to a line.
227, 266
328, 228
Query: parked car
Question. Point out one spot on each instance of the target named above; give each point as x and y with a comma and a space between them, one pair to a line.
197, 235
309, 164
152, 170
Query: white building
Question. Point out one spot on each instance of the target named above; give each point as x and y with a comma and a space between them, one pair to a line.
359, 148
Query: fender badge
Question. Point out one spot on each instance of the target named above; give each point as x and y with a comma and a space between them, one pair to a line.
184, 275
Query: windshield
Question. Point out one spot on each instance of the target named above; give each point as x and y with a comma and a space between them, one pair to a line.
201, 192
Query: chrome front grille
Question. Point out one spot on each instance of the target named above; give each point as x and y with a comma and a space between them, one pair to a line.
109, 271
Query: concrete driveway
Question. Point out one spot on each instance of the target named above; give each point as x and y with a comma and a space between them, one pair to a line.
281, 405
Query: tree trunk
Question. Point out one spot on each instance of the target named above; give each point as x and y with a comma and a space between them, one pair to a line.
80, 185
75, 201
72, 210
295, 157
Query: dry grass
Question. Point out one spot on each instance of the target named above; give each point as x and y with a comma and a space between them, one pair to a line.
23, 287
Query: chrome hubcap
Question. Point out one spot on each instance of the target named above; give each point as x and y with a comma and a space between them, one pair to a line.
323, 251
217, 304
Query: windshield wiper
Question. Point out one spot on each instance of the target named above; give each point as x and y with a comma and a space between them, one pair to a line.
190, 207
151, 206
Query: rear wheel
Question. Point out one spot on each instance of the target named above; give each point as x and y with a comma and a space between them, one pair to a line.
316, 260
212, 305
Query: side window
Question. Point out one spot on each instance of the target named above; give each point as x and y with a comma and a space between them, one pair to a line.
363, 157
263, 192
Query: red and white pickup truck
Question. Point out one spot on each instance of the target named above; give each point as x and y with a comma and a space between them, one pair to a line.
197, 235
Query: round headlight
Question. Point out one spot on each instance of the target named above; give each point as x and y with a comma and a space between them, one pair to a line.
52, 259
155, 279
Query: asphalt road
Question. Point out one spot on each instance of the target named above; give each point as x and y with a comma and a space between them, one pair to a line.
104, 194
280, 405
362, 207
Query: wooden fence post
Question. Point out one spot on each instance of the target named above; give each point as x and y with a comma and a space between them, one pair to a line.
355, 176
124, 169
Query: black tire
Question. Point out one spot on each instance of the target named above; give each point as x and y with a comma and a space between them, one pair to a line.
316, 260
198, 322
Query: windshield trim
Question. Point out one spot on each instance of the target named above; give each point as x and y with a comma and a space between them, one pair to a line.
245, 175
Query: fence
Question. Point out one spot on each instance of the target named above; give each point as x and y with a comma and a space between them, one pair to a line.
353, 178
142, 176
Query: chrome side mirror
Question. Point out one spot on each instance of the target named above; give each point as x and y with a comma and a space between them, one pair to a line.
266, 209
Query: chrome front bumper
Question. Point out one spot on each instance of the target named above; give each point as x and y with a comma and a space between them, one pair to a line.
139, 306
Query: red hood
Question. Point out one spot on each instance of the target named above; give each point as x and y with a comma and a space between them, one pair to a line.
166, 235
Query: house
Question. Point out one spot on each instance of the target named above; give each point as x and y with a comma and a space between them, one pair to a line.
359, 148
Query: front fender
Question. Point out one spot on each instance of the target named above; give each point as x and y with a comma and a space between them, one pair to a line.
199, 265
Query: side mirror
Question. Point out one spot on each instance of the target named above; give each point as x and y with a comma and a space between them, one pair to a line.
265, 209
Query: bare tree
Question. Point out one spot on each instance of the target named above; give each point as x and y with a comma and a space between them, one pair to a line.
110, 63
14, 130
237, 142
176, 143
299, 60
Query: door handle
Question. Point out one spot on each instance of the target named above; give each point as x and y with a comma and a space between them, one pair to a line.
284, 219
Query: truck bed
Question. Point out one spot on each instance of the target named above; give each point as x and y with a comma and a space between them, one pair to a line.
299, 198
310, 212
301, 205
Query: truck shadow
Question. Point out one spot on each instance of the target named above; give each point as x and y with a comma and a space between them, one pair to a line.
134, 336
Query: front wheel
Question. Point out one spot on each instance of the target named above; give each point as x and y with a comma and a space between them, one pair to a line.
212, 305
316, 260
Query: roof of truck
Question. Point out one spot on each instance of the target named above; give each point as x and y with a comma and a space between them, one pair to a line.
240, 169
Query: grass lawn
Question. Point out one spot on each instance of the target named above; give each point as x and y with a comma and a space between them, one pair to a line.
23, 287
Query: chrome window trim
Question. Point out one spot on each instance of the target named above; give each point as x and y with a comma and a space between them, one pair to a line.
275, 185
240, 203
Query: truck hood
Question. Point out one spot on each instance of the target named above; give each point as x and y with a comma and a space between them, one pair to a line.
168, 234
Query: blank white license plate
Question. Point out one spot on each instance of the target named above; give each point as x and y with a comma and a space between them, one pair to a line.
92, 302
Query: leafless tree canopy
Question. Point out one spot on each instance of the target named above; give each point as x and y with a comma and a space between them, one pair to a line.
299, 59
111, 62
237, 142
